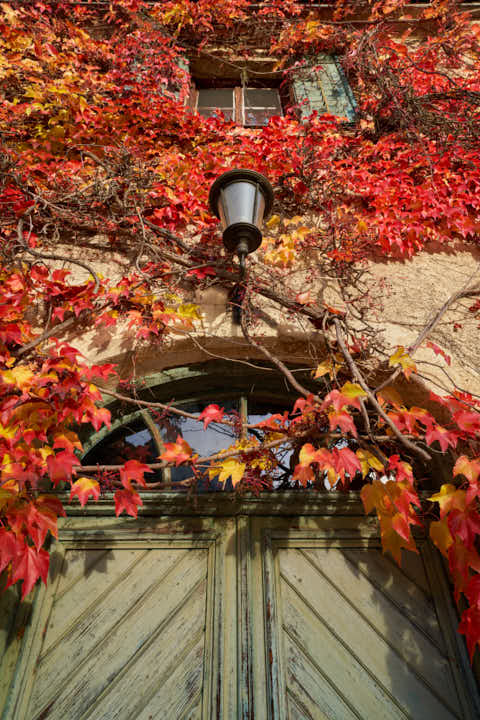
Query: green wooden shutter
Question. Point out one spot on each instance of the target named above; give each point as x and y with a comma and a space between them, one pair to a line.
325, 89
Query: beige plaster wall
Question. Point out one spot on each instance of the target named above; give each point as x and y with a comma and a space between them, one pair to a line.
400, 298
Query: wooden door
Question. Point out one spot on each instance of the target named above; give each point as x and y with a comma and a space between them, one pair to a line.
258, 615
135, 624
347, 634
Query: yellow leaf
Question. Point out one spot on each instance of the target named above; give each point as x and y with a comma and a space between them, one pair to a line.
402, 358
328, 367
293, 221
20, 376
449, 498
307, 454
352, 391
324, 368
189, 311
368, 461
273, 221
6, 459
34, 92
440, 535
8, 431
228, 468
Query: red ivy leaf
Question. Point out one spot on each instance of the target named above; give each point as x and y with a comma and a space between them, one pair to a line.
442, 435
212, 413
202, 273
29, 565
60, 466
83, 488
470, 627
133, 470
127, 500
438, 351
177, 452
8, 547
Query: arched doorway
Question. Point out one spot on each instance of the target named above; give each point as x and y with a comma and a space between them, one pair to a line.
279, 605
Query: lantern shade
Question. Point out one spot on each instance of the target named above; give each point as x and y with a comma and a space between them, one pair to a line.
241, 199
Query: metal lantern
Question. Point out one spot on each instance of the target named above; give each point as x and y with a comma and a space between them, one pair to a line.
242, 199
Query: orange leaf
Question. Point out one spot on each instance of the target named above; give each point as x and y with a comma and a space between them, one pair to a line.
177, 452
440, 535
83, 488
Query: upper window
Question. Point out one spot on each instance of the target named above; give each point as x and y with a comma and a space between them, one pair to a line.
251, 107
319, 85
323, 87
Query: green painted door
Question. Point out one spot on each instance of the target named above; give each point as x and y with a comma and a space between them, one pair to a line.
257, 615
348, 634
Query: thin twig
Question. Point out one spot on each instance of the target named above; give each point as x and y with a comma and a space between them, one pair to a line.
373, 400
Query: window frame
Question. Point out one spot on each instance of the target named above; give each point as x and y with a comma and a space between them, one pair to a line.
238, 102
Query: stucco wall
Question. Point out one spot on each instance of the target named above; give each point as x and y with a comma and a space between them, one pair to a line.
400, 298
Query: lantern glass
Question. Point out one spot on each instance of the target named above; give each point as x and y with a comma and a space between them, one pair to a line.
241, 202
241, 199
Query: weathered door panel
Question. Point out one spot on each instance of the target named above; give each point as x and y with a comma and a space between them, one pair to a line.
347, 633
134, 625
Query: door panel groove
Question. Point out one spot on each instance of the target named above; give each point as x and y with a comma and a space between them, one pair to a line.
292, 698
139, 654
324, 675
354, 657
398, 652
406, 612
93, 604
132, 614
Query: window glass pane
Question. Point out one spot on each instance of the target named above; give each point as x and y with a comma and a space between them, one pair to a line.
216, 112
133, 441
204, 442
280, 476
264, 98
130, 442
259, 116
215, 97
